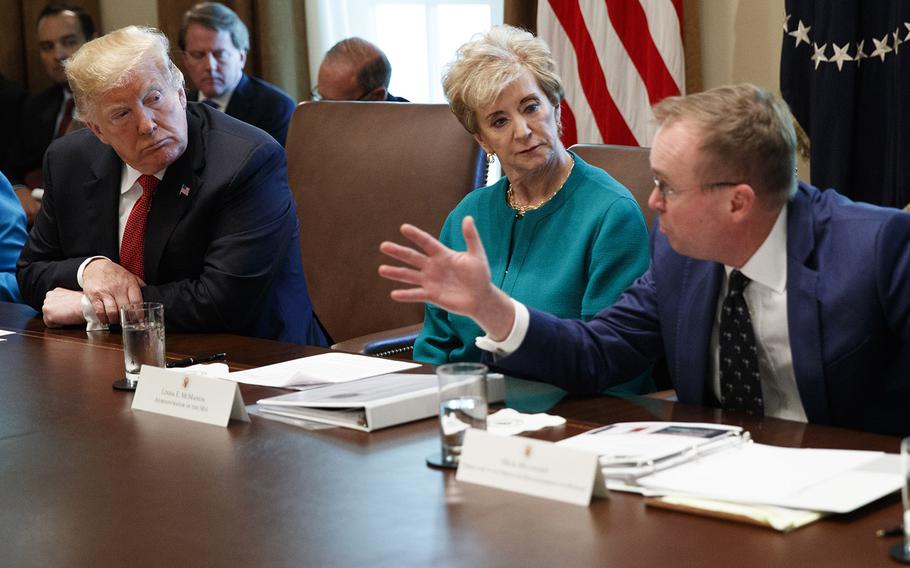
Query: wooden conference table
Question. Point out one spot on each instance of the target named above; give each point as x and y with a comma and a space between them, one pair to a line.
86, 481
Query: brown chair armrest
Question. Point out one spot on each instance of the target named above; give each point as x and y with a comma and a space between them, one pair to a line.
398, 343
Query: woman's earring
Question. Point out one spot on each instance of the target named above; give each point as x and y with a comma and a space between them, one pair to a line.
491, 157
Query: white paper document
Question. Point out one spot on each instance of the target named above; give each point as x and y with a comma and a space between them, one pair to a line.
720, 462
320, 369
629, 450
835, 481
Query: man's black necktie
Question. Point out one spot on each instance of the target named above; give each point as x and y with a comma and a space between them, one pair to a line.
740, 382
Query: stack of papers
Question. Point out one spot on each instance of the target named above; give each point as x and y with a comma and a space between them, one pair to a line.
716, 470
630, 450
327, 368
834, 481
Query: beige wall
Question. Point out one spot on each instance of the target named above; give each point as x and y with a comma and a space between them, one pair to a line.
116, 14
740, 43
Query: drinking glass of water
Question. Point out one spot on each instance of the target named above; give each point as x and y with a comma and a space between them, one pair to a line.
462, 405
143, 339
901, 552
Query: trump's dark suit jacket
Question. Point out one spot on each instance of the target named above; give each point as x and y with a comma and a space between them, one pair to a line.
222, 238
261, 104
848, 313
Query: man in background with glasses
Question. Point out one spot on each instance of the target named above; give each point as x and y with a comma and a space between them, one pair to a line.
765, 295
215, 43
354, 70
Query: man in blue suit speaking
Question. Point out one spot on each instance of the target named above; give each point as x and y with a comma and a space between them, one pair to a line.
163, 201
765, 295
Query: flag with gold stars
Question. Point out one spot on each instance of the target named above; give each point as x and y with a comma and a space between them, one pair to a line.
845, 72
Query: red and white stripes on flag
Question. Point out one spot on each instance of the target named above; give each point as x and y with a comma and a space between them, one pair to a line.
616, 59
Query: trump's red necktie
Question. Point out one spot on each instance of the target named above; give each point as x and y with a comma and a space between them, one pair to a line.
133, 245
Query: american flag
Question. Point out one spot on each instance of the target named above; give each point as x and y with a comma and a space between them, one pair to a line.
845, 72
616, 59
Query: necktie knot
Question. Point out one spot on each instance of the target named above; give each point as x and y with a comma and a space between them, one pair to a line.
212, 104
738, 282
148, 184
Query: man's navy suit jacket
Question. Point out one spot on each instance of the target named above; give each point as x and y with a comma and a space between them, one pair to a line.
848, 314
261, 104
222, 245
36, 132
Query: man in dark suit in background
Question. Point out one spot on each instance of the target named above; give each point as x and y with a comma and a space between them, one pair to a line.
355, 70
215, 43
765, 295
161, 201
62, 29
12, 96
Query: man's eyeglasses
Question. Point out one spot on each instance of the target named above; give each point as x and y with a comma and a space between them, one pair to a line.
315, 95
668, 193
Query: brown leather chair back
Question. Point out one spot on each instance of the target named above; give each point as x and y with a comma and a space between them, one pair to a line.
358, 171
629, 165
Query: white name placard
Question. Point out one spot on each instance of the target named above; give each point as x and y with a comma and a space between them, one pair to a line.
525, 465
182, 393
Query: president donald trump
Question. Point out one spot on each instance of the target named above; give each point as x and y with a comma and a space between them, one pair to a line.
162, 201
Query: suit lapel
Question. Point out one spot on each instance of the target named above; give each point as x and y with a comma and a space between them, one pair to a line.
802, 310
49, 112
239, 98
697, 307
101, 196
173, 196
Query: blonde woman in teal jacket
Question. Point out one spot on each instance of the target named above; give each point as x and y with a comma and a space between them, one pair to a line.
560, 235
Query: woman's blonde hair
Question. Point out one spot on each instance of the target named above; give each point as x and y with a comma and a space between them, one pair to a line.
486, 65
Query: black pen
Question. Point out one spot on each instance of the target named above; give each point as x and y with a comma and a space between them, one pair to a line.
193, 359
893, 531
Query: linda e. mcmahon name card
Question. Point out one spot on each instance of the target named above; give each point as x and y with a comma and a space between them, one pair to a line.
189, 395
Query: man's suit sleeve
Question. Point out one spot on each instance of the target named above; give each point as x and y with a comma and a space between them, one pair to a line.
278, 121
617, 345
42, 266
249, 238
892, 264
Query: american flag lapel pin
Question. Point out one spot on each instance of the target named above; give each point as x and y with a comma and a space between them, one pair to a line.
185, 190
